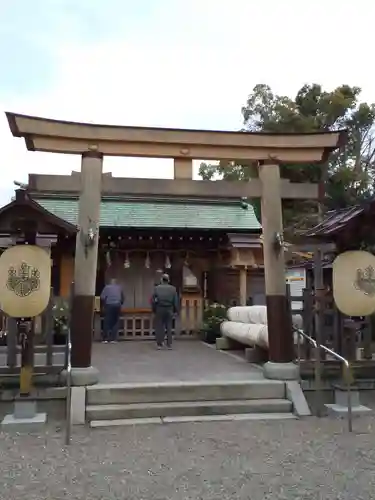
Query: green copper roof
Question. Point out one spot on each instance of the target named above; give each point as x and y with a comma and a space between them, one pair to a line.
160, 214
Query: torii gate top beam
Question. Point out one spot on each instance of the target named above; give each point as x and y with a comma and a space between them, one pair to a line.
56, 136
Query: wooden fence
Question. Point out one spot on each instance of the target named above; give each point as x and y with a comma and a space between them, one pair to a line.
353, 338
49, 358
140, 325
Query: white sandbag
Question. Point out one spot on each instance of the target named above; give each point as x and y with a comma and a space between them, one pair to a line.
248, 314
246, 333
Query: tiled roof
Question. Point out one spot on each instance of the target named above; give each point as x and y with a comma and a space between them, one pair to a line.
160, 214
334, 222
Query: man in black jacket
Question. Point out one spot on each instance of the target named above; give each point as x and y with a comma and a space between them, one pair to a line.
165, 305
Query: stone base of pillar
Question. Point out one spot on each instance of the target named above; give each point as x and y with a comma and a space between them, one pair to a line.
25, 415
281, 371
82, 376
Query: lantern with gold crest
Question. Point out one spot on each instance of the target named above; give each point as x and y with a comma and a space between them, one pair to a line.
25, 277
27, 231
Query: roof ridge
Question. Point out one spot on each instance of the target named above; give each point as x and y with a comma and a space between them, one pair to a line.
144, 199
149, 214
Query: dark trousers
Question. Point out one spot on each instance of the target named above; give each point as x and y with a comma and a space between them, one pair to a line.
111, 321
163, 325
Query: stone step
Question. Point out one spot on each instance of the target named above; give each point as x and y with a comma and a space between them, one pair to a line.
102, 394
199, 418
186, 409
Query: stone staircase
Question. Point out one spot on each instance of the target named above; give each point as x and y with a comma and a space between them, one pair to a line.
129, 404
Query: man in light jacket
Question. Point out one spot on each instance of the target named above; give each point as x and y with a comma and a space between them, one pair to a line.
112, 299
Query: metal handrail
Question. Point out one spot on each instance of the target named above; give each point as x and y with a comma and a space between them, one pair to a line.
68, 388
309, 339
345, 362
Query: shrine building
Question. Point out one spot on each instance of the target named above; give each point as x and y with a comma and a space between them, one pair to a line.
210, 246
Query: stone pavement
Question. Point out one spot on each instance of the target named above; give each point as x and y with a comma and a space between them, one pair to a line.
307, 459
190, 360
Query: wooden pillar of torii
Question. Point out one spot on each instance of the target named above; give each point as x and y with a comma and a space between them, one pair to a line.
271, 190
93, 141
85, 268
280, 334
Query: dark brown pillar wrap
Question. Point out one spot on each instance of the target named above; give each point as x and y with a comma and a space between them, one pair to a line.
86, 257
82, 330
281, 348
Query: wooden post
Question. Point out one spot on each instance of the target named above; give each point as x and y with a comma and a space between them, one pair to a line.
205, 287
280, 337
183, 168
12, 341
26, 333
243, 286
85, 265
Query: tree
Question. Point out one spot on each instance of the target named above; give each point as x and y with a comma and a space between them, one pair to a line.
348, 177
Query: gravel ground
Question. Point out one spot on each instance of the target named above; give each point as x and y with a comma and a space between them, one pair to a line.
305, 459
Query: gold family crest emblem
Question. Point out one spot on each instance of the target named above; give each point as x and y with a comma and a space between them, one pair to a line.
365, 281
24, 280
25, 277
353, 280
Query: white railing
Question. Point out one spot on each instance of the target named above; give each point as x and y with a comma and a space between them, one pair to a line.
68, 415
318, 371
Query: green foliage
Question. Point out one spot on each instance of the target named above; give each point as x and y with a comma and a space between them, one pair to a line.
348, 177
213, 316
61, 314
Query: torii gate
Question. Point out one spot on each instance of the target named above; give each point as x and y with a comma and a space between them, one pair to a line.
93, 142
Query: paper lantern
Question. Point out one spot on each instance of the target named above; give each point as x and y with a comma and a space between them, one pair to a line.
354, 283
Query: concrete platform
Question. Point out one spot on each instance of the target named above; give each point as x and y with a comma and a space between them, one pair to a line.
194, 382
340, 406
204, 418
24, 414
188, 361
186, 409
342, 411
38, 420
207, 390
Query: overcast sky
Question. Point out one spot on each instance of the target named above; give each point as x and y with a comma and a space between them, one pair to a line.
172, 63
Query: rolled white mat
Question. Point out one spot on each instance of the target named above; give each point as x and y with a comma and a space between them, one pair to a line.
249, 334
256, 315
248, 314
246, 333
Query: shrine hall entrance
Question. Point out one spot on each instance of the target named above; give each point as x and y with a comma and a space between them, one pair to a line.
138, 274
